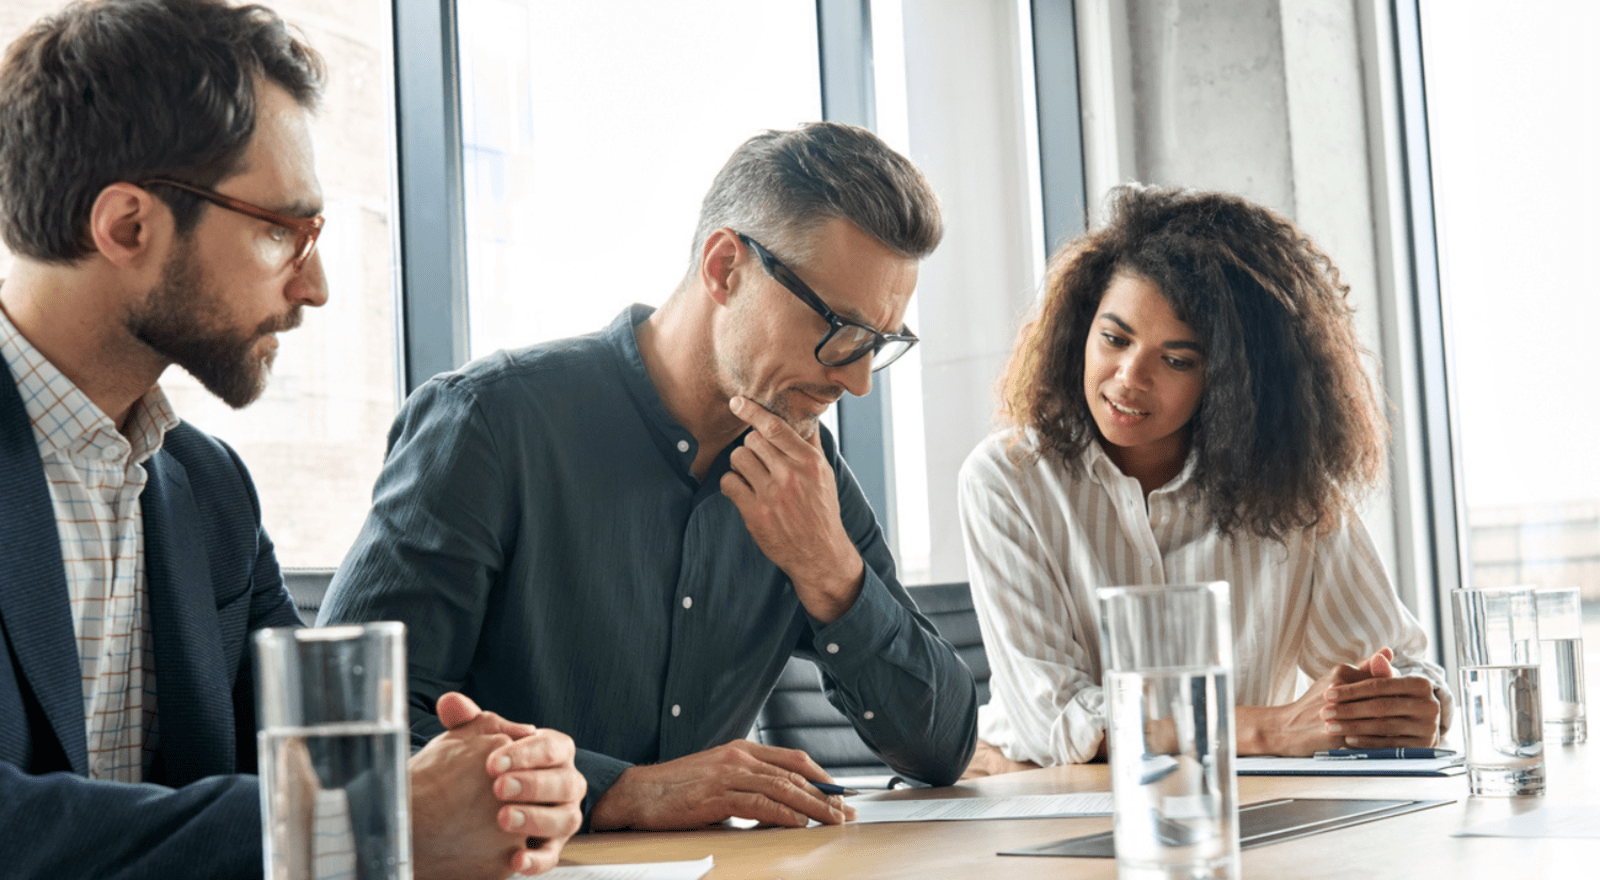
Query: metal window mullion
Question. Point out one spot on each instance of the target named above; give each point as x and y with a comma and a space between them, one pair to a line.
1060, 119
432, 324
866, 438
1445, 514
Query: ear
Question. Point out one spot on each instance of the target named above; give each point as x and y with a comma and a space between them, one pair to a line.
127, 224
717, 258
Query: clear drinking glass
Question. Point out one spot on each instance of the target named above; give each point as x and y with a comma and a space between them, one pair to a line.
1561, 664
333, 747
1168, 658
1497, 648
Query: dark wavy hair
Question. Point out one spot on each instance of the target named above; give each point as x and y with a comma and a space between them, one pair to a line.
126, 90
1289, 431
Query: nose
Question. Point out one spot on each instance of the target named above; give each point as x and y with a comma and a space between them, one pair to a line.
855, 377
309, 286
1133, 370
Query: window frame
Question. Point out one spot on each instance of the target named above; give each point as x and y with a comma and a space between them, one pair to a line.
433, 327
1059, 118
866, 426
1442, 511
432, 242
430, 216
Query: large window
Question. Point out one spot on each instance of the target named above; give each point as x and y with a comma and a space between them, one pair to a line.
911, 526
954, 88
1510, 92
590, 133
314, 441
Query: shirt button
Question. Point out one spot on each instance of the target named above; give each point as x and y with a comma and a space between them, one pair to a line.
1148, 562
868, 715
688, 602
833, 648
676, 710
683, 446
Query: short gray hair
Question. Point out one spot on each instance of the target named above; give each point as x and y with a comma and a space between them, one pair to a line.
779, 186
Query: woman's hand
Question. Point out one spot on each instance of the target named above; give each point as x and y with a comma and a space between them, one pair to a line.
1383, 710
1295, 729
1365, 706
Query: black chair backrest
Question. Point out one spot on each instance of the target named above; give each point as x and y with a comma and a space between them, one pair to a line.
949, 606
307, 586
797, 715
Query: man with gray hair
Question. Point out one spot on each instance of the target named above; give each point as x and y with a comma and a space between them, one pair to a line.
626, 535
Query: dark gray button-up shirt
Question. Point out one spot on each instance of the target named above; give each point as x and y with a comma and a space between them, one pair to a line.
539, 530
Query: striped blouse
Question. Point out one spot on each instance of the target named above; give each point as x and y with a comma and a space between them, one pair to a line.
1042, 535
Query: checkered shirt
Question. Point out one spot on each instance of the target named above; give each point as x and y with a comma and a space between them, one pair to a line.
95, 474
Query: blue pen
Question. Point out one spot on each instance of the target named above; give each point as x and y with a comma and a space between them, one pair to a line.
830, 788
1359, 754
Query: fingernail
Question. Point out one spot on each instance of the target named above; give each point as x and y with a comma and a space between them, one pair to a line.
736, 404
502, 764
1334, 728
513, 787
527, 862
518, 818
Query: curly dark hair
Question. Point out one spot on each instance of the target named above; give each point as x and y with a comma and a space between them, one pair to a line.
1289, 431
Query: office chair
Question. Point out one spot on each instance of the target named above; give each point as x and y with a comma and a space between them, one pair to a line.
797, 715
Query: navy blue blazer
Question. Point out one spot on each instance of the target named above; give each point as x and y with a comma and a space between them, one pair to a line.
212, 580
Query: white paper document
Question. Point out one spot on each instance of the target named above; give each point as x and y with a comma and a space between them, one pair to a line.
1562, 820
1033, 806
637, 871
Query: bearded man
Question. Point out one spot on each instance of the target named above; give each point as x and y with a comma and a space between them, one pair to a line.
158, 190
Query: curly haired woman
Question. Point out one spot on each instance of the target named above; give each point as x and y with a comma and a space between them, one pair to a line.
1189, 405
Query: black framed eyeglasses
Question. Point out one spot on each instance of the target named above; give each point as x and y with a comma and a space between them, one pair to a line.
846, 341
306, 229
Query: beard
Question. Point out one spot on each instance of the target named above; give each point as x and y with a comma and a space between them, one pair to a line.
729, 360
792, 404
183, 320
798, 416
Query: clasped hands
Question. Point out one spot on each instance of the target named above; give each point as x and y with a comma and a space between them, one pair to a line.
490, 797
1366, 706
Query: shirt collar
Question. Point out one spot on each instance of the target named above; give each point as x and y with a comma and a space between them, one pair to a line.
148, 424
674, 441
66, 421
1104, 471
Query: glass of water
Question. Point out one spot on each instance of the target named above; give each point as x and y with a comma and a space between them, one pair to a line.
1167, 652
1561, 664
1497, 648
331, 704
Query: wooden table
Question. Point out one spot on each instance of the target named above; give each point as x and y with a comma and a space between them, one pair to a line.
1414, 846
